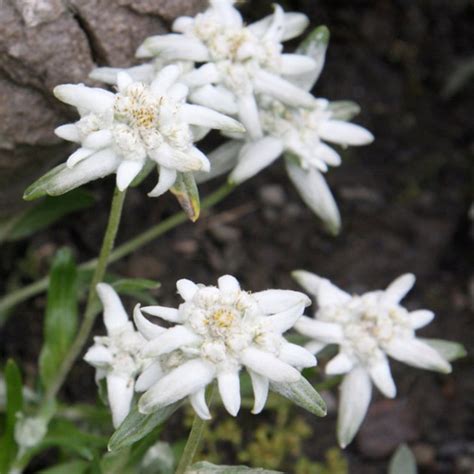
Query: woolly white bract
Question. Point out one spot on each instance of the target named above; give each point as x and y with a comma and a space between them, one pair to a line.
367, 328
116, 356
140, 124
218, 331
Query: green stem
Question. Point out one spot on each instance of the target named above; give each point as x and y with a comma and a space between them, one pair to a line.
37, 287
90, 313
194, 438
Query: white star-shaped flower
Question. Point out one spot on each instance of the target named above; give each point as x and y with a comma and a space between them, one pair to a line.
139, 124
116, 356
217, 332
367, 328
240, 62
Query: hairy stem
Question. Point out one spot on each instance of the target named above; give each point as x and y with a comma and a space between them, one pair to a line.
37, 287
194, 438
90, 313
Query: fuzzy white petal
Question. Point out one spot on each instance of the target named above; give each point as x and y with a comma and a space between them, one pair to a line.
168, 314
123, 81
78, 156
328, 154
115, 315
397, 290
309, 281
68, 132
276, 301
285, 320
321, 331
171, 339
206, 74
315, 346
329, 294
417, 354
294, 64
182, 24
164, 80
228, 284
92, 99
98, 356
148, 377
119, 394
186, 288
228, 15
382, 377
276, 27
198, 402
296, 356
256, 156
179, 383
146, 328
215, 97
260, 385
98, 140
166, 180
229, 389
294, 25
421, 318
344, 133
127, 171
249, 115
98, 165
316, 194
173, 47
275, 86
268, 365
339, 364
142, 73
356, 391
174, 158
204, 117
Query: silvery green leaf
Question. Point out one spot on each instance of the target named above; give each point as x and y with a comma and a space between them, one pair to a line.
136, 426
187, 193
343, 109
60, 321
205, 467
314, 191
301, 393
403, 461
158, 458
314, 46
40, 187
448, 349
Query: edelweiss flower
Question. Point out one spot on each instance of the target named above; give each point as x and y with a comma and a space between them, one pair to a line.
116, 356
240, 61
219, 330
122, 132
367, 328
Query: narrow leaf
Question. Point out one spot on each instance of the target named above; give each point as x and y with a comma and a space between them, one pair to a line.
14, 405
45, 213
136, 426
403, 461
302, 394
40, 186
60, 322
448, 349
132, 285
186, 191
205, 467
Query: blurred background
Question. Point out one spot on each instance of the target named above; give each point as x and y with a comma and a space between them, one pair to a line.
405, 200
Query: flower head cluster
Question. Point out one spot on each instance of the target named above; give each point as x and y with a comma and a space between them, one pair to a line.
240, 62
116, 356
218, 331
140, 124
367, 328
